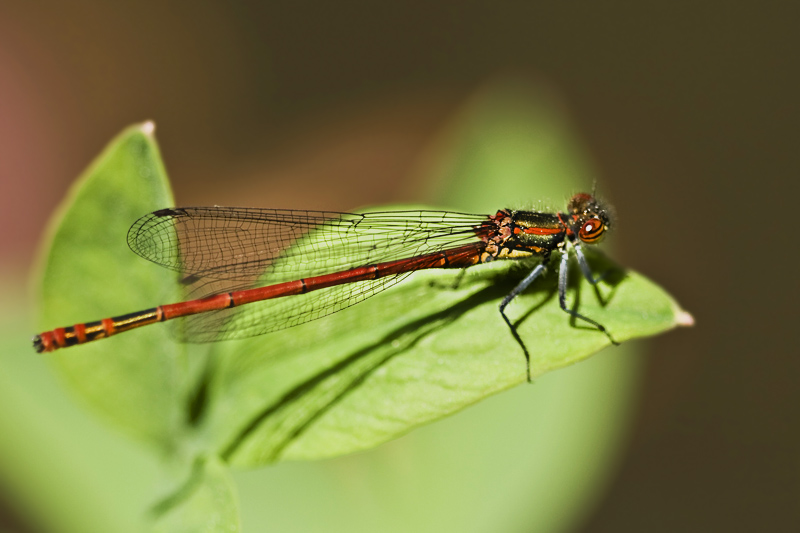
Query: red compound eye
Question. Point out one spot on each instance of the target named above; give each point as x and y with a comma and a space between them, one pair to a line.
592, 230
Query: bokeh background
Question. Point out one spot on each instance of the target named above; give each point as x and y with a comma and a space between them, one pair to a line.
689, 110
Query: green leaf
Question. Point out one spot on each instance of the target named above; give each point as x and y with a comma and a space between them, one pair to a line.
206, 503
411, 355
88, 273
424, 349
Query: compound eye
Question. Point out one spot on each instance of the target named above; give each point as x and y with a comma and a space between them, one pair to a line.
592, 230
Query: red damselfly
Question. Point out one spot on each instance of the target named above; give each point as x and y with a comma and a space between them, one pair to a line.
239, 264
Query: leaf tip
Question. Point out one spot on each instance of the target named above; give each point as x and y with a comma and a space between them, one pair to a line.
148, 127
684, 318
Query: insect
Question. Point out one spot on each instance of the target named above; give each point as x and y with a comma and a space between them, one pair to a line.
250, 271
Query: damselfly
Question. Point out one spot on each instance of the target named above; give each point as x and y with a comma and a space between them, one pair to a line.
240, 265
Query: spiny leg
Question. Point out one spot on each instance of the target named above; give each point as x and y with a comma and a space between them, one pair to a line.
524, 284
587, 271
562, 290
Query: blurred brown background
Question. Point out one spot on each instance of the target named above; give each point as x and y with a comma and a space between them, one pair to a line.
690, 111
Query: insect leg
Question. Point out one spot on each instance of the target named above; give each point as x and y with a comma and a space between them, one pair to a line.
524, 284
563, 271
587, 271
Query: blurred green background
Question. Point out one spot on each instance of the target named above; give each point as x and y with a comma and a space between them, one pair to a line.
690, 113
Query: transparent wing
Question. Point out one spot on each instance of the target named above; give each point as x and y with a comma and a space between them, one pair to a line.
221, 249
